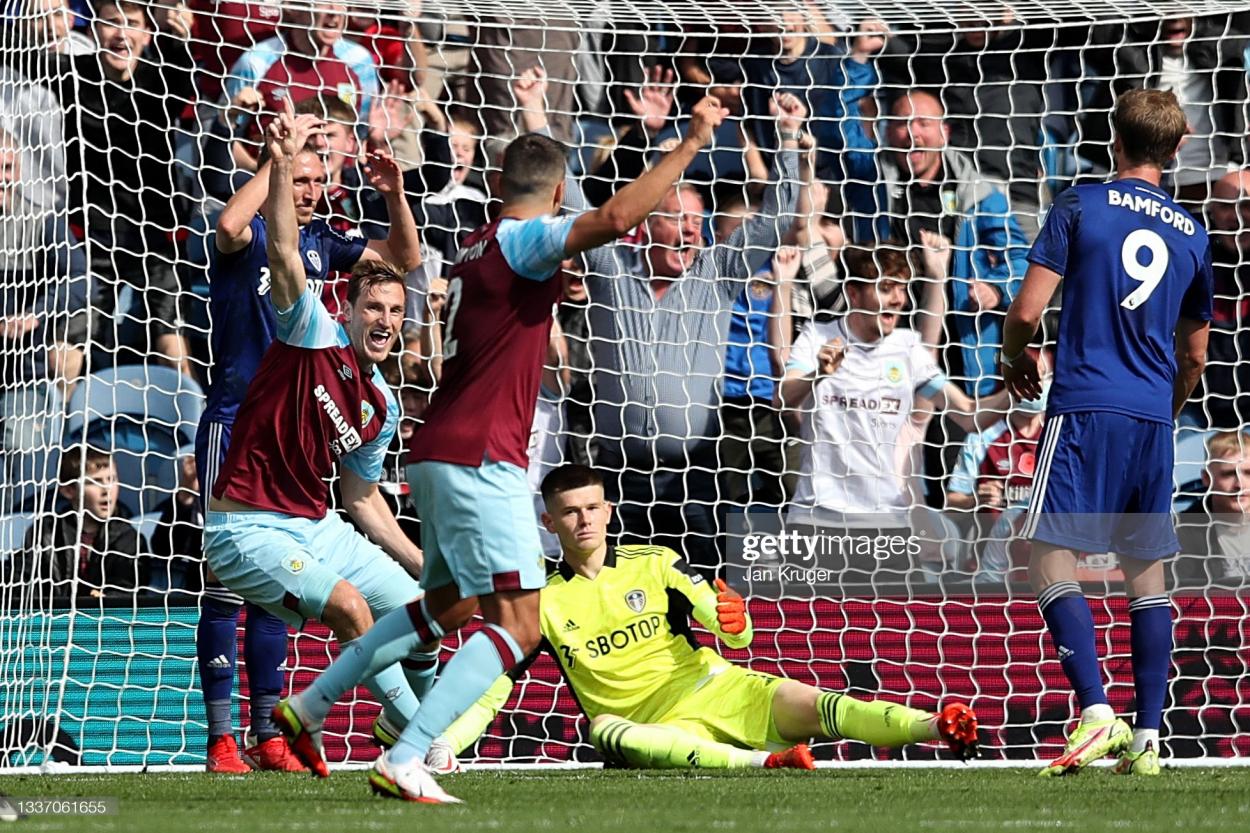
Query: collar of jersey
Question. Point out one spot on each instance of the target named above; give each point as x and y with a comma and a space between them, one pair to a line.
566, 572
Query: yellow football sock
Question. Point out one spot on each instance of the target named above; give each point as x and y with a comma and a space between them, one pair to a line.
469, 726
875, 722
653, 746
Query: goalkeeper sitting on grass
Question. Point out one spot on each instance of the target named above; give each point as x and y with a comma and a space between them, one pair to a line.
617, 621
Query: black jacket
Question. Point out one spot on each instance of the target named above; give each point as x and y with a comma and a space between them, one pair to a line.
113, 566
1129, 57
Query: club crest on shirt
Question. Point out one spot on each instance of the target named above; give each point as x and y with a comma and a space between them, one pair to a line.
637, 600
314, 259
893, 372
293, 564
347, 93
366, 413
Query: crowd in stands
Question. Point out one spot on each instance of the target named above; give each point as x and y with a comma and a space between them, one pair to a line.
926, 163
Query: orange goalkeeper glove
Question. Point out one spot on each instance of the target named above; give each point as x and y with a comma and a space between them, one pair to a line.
731, 609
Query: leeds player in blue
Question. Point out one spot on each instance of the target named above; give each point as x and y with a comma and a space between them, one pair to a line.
243, 328
1137, 296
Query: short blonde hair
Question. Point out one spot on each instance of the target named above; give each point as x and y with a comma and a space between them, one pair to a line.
1228, 446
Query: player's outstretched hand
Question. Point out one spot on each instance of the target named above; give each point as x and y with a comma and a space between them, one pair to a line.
382, 172
731, 609
708, 115
1022, 377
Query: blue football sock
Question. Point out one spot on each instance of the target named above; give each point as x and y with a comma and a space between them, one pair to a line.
216, 648
264, 652
474, 668
391, 639
1071, 627
1151, 641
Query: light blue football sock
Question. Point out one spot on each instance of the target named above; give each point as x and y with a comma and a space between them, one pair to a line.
390, 687
391, 638
475, 667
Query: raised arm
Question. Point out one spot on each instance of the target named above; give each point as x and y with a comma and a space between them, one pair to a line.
935, 256
630, 206
286, 138
402, 246
745, 251
234, 225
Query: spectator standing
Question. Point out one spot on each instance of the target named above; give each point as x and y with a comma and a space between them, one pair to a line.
924, 185
121, 106
505, 47
308, 56
853, 384
659, 319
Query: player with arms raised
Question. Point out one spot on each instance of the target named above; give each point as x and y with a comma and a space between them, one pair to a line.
617, 622
1137, 297
243, 328
468, 461
317, 398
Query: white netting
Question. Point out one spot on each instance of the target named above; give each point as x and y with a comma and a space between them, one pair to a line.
115, 165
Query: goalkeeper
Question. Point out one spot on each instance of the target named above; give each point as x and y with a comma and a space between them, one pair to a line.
617, 621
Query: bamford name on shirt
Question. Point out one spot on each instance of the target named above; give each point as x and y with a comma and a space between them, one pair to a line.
349, 437
1151, 207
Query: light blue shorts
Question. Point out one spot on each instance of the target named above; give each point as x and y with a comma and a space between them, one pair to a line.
289, 565
478, 528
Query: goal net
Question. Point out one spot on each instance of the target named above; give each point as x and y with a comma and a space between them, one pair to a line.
125, 128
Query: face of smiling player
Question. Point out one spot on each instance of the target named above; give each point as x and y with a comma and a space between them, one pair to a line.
375, 320
308, 182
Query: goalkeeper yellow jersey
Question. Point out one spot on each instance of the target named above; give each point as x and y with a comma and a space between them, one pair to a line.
624, 640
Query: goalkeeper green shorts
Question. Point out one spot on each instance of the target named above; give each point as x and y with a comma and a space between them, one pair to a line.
732, 705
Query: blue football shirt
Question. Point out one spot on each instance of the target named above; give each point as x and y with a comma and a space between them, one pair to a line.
1133, 263
243, 319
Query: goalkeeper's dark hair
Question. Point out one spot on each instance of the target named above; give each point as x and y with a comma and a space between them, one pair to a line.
533, 165
568, 477
1150, 125
370, 273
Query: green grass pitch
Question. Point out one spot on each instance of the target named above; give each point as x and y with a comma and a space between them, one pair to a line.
876, 800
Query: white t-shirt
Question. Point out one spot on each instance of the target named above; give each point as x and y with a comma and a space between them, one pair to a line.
853, 429
1196, 158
